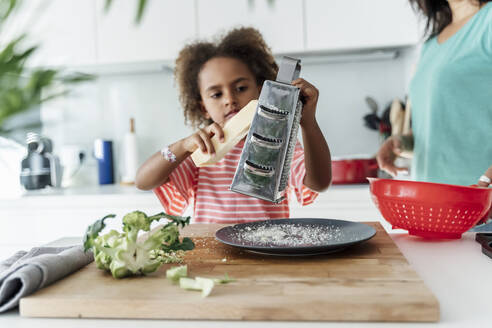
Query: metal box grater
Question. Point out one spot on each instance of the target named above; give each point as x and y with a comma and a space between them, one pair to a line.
264, 167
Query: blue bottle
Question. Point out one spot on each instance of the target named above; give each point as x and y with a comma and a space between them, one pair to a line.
103, 151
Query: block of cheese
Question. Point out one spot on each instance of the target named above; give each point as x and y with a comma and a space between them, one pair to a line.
234, 130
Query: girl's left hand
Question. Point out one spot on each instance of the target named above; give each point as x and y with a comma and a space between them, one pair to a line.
310, 95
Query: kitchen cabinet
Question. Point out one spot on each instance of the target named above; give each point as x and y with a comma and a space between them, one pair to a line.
280, 22
63, 29
166, 26
345, 25
80, 33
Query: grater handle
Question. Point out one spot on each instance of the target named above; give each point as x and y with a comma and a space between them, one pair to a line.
289, 70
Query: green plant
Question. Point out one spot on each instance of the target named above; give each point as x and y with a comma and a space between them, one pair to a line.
21, 87
141, 5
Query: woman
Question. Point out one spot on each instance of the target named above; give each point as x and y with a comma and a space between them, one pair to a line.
451, 97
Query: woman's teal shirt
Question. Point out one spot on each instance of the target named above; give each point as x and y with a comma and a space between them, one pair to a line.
451, 99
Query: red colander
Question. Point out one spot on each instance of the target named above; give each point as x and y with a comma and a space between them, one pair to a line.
430, 210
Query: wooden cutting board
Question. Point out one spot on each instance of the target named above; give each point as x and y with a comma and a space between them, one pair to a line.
368, 282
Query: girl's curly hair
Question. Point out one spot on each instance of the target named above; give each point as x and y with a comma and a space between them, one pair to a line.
245, 44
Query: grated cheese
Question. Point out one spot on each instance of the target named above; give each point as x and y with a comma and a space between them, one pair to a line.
288, 235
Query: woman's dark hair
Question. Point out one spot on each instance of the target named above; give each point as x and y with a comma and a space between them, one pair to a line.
244, 44
437, 13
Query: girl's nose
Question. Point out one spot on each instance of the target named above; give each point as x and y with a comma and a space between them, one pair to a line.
230, 98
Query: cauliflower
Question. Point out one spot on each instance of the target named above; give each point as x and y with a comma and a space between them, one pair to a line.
123, 255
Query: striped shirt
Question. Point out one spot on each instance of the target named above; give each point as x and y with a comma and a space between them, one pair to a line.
207, 189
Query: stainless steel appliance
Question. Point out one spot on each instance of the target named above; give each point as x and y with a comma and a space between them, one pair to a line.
40, 168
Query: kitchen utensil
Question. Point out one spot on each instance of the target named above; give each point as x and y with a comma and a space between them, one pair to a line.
406, 129
385, 124
397, 114
431, 210
373, 105
485, 239
372, 120
295, 237
368, 282
355, 169
264, 167
40, 168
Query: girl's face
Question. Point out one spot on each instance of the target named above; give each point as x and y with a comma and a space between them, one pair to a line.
226, 85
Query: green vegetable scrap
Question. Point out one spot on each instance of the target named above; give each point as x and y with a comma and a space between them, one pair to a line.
123, 255
175, 273
224, 280
205, 285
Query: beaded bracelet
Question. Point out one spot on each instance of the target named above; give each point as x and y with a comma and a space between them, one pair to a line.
168, 154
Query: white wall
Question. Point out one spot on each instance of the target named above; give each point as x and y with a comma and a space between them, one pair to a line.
343, 87
102, 109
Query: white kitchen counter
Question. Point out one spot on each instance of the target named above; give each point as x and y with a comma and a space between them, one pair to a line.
456, 271
51, 214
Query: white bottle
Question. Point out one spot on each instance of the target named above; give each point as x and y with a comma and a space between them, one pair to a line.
130, 155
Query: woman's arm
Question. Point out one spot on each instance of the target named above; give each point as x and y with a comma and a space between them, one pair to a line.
317, 157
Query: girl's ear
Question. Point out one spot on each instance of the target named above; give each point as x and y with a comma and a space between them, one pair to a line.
203, 110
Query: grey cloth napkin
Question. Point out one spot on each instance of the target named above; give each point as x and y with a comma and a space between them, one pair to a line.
26, 272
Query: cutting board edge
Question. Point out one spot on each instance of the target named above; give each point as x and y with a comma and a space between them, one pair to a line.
32, 307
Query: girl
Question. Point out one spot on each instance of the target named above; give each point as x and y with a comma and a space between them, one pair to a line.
215, 81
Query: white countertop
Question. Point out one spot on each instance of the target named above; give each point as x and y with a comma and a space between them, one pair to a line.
51, 214
456, 271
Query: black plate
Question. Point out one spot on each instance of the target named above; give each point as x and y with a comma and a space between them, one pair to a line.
336, 236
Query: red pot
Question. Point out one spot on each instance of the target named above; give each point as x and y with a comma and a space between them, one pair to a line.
353, 170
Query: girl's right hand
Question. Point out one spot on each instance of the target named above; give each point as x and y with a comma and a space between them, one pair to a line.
201, 139
387, 154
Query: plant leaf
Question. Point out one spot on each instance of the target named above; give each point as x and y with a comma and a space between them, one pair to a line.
142, 4
107, 5
185, 245
93, 231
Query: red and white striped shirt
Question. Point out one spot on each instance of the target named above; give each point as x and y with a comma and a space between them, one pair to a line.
207, 188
